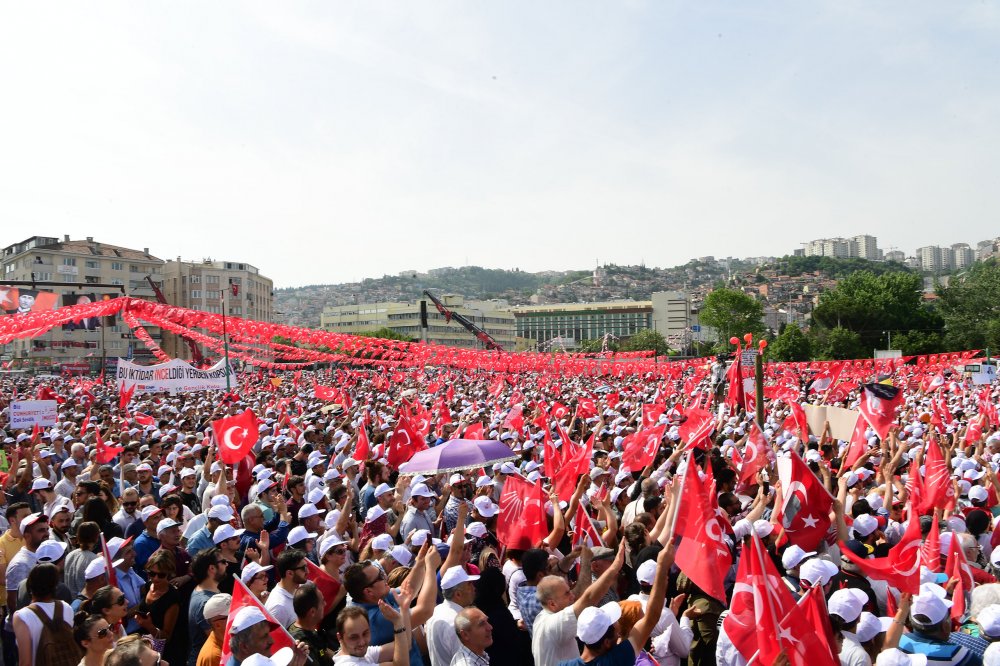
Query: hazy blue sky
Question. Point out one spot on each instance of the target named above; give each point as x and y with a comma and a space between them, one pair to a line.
330, 141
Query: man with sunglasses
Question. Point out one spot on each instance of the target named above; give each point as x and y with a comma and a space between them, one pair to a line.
129, 511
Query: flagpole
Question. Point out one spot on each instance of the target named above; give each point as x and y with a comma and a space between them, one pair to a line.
758, 546
680, 493
225, 339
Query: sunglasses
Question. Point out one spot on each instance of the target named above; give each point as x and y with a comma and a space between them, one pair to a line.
130, 505
158, 574
381, 576
120, 601
338, 551
102, 633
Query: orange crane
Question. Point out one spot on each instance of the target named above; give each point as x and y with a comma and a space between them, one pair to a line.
196, 356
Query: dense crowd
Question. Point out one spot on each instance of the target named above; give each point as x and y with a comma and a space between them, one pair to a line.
318, 549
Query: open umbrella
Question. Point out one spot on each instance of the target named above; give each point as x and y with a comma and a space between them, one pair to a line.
458, 454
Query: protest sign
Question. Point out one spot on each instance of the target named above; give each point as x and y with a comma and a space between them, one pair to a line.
24, 414
174, 376
841, 420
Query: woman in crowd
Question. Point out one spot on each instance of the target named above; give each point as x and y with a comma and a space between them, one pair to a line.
95, 637
159, 609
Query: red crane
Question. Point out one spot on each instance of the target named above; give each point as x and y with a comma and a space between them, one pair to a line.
196, 356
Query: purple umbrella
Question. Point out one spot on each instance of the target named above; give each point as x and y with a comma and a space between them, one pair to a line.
458, 454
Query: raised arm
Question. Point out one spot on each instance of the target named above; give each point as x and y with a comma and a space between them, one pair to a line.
654, 607
594, 593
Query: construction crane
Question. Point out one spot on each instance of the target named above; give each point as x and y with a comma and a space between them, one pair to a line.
480, 334
196, 356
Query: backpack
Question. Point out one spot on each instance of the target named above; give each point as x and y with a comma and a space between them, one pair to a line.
56, 646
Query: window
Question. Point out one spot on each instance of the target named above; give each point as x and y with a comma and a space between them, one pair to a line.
195, 279
116, 281
69, 261
211, 279
43, 277
196, 293
132, 268
93, 264
117, 266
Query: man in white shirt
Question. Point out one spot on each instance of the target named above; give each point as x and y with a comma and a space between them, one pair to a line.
354, 634
292, 569
67, 484
845, 608
459, 591
553, 638
129, 511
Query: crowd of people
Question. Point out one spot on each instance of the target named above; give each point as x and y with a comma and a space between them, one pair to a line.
320, 551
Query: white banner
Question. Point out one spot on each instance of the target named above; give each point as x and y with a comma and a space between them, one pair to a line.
24, 414
174, 376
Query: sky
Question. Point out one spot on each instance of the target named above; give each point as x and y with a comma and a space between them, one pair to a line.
331, 141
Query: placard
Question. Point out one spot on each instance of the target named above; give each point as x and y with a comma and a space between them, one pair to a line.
25, 414
842, 421
174, 376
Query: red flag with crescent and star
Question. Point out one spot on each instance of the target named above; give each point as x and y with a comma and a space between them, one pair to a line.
235, 436
642, 448
901, 567
405, 442
806, 504
754, 454
703, 554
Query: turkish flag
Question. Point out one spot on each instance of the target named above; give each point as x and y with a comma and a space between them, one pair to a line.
813, 606
805, 632
696, 431
586, 408
642, 448
651, 414
324, 392
404, 443
901, 567
558, 410
105, 453
857, 447
244, 597
879, 404
521, 522
575, 461
938, 490
702, 554
797, 421
957, 568
755, 454
514, 419
326, 583
474, 431
125, 395
584, 531
735, 397
806, 504
235, 436
108, 564
363, 447
760, 597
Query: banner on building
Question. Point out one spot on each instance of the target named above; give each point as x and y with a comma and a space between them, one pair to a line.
87, 323
174, 376
18, 300
25, 414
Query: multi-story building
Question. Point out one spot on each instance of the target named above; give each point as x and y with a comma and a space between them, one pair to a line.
863, 247
87, 263
962, 256
934, 259
895, 255
206, 285
494, 317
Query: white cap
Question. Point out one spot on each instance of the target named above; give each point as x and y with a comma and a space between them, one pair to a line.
646, 572
69, 462
870, 626
847, 603
864, 525
818, 570
223, 513
419, 537
384, 542
251, 570
991, 657
149, 511
793, 556
896, 657
594, 622
245, 618
477, 529
454, 577
264, 485
217, 606
402, 555
166, 524
33, 518
41, 484
989, 620
455, 478
282, 657
95, 569
763, 528
374, 514
930, 605
51, 550
382, 489
978, 493
308, 510
485, 507
421, 490
508, 468
298, 534
226, 531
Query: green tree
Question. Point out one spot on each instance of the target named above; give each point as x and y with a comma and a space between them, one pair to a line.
387, 334
791, 345
732, 313
970, 307
870, 305
839, 343
645, 340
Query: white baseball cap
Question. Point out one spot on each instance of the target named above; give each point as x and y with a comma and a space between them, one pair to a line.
374, 514
223, 513
847, 603
486, 507
251, 570
51, 550
149, 511
166, 524
793, 556
595, 621
818, 570
989, 621
870, 626
646, 572
309, 510
282, 657
930, 604
476, 529
896, 657
331, 542
454, 577
225, 531
384, 542
245, 618
41, 484
421, 490
298, 534
33, 518
865, 524
402, 555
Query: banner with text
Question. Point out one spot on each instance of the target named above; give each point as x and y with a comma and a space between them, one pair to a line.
25, 414
174, 376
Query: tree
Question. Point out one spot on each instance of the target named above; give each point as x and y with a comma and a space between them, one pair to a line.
871, 305
644, 340
387, 334
732, 313
791, 345
970, 307
840, 343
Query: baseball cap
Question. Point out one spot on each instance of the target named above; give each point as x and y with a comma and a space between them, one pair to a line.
226, 531
223, 513
646, 572
282, 657
264, 486
421, 490
402, 555
870, 626
218, 605
51, 550
847, 603
595, 621
330, 542
978, 493
374, 514
453, 577
30, 520
793, 556
476, 529
251, 570
95, 569
298, 534
115, 544
763, 528
896, 657
309, 510
149, 511
384, 542
166, 524
818, 570
245, 618
419, 537
485, 507
930, 606
865, 524
41, 484
988, 620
